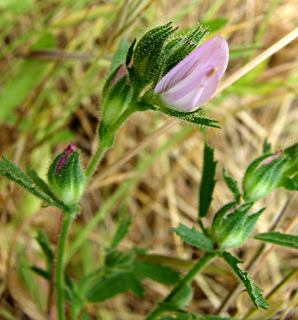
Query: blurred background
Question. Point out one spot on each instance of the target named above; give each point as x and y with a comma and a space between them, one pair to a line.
54, 58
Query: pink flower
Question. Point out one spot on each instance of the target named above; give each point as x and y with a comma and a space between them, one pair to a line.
193, 81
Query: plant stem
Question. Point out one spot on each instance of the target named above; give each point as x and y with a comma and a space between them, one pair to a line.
60, 268
207, 257
95, 160
102, 147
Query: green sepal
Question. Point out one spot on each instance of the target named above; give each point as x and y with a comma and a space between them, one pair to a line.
217, 220
253, 290
116, 102
147, 55
236, 227
179, 47
42, 185
259, 180
130, 51
289, 184
291, 166
194, 238
207, 182
68, 184
232, 185
119, 56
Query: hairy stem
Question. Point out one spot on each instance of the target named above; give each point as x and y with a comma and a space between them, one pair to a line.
60, 267
102, 147
179, 287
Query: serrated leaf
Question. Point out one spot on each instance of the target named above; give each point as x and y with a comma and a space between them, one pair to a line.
232, 185
194, 238
45, 245
207, 181
11, 171
281, 239
111, 286
121, 232
253, 290
156, 272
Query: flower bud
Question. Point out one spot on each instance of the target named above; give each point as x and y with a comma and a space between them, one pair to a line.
65, 176
263, 176
233, 229
192, 82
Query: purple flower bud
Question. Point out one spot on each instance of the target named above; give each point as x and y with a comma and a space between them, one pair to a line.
63, 160
193, 81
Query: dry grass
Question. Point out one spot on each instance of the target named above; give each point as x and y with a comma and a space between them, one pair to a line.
163, 179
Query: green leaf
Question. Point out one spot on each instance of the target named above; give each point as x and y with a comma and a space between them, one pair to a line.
29, 75
121, 232
207, 181
111, 286
45, 245
41, 272
156, 272
194, 238
232, 185
286, 240
14, 173
253, 290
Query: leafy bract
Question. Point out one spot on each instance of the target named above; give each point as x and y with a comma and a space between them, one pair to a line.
253, 290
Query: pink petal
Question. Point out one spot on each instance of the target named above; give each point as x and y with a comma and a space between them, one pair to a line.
214, 52
196, 97
182, 69
187, 85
